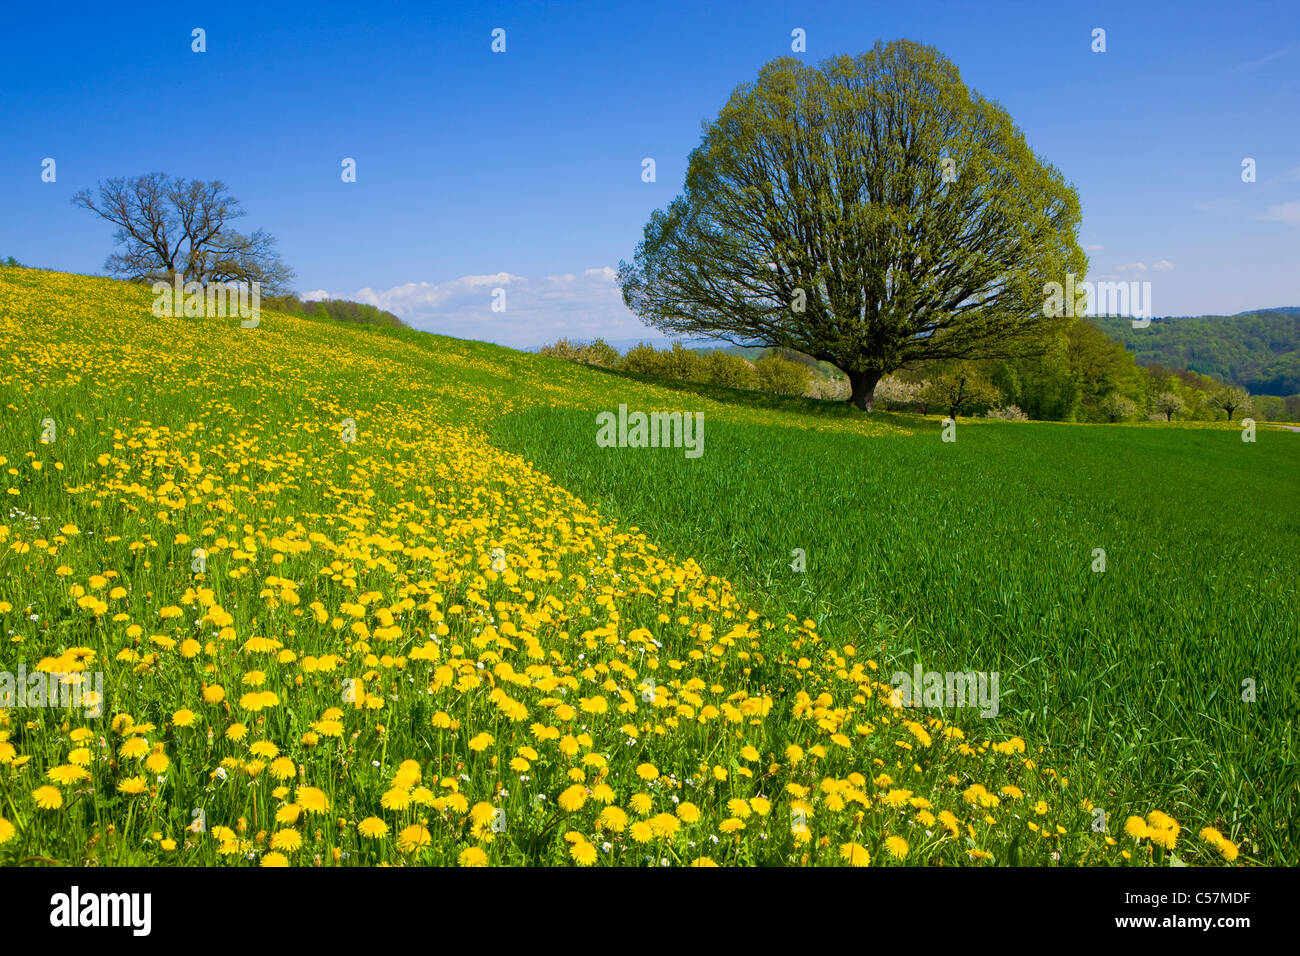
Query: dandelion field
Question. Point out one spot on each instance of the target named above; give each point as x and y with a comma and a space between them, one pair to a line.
417, 648
978, 555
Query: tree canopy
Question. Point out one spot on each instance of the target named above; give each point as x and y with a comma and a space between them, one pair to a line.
168, 226
871, 212
1259, 351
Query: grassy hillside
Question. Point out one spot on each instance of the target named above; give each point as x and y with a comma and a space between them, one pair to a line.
979, 554
418, 647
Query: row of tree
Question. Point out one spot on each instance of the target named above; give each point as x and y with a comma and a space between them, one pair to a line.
1085, 376
769, 373
340, 310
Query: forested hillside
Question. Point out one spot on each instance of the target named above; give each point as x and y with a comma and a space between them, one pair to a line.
1259, 351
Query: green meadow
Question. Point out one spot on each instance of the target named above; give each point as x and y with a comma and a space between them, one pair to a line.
1163, 683
1173, 670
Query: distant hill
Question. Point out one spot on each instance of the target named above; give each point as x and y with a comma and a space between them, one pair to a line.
1259, 351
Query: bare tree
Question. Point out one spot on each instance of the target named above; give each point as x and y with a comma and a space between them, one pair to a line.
168, 226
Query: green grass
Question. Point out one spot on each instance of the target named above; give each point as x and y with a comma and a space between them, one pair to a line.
974, 555
978, 554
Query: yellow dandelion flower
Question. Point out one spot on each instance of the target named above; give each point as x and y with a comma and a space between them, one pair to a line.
855, 854
572, 799
613, 818
413, 838
641, 803
896, 847
473, 856
641, 832
287, 840
67, 773
313, 800
583, 853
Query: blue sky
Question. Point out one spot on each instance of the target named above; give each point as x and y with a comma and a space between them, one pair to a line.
522, 170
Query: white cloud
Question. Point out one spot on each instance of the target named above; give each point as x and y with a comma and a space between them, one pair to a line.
1093, 248
1138, 267
538, 310
1164, 265
1287, 212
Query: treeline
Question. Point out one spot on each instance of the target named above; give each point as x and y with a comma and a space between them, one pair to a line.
1259, 351
338, 309
1087, 377
768, 373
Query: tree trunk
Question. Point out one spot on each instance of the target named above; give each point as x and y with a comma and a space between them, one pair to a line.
863, 386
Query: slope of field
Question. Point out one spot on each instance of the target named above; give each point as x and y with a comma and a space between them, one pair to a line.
979, 555
335, 624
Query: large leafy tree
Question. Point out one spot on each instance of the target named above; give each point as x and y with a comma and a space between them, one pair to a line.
871, 212
168, 226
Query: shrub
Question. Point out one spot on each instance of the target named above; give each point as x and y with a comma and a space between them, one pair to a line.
683, 364
1116, 407
832, 388
644, 360
730, 370
896, 395
598, 352
781, 376
1009, 413
601, 353
563, 349
961, 389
